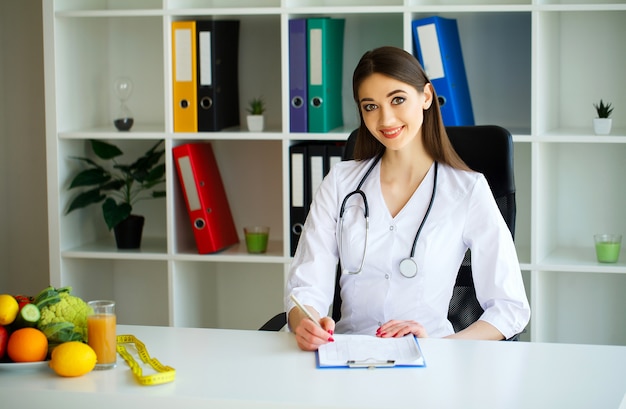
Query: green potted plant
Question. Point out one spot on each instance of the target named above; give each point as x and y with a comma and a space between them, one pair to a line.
602, 124
119, 187
255, 119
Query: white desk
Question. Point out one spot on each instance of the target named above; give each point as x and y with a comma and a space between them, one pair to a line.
250, 369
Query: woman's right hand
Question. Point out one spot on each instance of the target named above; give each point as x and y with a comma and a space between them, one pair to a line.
310, 337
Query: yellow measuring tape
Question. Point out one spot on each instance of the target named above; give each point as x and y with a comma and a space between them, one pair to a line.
164, 373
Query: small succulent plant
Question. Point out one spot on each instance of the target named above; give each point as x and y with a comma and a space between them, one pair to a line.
603, 110
256, 106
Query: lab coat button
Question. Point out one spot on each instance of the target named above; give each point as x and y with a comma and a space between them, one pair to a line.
391, 228
387, 276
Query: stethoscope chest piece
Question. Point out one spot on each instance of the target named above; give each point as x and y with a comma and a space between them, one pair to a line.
408, 268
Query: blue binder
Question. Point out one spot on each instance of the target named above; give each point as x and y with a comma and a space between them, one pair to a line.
297, 76
325, 69
438, 48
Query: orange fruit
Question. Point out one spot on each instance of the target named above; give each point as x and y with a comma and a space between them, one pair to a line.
72, 359
27, 345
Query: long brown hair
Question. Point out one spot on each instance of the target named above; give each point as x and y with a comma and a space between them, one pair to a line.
398, 64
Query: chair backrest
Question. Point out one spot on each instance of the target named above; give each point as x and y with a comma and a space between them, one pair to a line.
487, 149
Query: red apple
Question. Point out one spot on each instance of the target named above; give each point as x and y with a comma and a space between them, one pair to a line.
4, 338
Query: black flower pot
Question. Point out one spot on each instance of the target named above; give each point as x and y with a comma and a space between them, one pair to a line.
128, 232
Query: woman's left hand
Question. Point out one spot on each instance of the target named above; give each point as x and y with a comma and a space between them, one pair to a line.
397, 329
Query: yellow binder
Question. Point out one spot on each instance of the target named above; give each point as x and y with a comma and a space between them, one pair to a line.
184, 74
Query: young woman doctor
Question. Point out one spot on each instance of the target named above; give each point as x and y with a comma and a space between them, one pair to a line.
424, 209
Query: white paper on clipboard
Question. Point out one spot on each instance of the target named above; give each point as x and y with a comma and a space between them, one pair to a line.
350, 350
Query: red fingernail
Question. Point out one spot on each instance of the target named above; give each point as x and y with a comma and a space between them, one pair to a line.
331, 339
331, 332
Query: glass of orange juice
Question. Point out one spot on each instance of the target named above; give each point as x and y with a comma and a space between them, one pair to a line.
101, 334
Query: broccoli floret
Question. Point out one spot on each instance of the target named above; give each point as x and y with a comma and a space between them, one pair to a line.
65, 320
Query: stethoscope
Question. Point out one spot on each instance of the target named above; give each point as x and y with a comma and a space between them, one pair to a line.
408, 266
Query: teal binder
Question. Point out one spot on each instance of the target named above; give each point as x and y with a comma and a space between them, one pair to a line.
325, 67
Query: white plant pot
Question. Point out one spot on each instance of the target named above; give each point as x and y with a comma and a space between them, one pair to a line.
602, 126
256, 123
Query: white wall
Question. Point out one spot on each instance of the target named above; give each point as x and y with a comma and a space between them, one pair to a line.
23, 204
3, 148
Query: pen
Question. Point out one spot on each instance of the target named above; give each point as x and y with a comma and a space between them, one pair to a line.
305, 311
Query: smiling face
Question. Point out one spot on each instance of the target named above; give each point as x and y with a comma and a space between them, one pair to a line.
393, 111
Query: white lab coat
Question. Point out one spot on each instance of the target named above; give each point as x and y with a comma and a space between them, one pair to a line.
464, 215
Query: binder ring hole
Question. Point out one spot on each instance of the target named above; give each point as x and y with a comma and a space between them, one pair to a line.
297, 229
184, 103
441, 100
316, 102
297, 102
199, 224
206, 102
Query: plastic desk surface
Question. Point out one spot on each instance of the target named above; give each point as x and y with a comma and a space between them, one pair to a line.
254, 369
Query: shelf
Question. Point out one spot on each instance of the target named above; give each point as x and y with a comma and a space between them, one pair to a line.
582, 135
156, 249
230, 134
237, 253
151, 249
581, 259
155, 132
138, 131
534, 67
120, 8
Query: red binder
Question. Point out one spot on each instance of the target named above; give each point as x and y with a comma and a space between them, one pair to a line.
207, 204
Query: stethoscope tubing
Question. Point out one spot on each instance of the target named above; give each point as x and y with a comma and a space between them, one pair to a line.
408, 266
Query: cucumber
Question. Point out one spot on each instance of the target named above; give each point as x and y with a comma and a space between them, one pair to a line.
28, 316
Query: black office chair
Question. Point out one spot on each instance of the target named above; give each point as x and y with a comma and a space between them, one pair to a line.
487, 149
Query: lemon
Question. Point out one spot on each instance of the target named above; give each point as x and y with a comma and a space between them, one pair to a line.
72, 359
8, 309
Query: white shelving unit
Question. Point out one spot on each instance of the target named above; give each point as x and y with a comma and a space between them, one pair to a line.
534, 67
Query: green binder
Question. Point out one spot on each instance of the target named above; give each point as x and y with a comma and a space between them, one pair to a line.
324, 74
